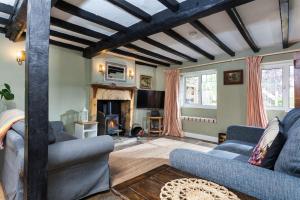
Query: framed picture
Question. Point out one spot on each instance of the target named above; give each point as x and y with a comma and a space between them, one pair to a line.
115, 72
145, 82
233, 77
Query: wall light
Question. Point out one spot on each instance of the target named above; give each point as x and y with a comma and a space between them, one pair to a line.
101, 69
130, 74
21, 57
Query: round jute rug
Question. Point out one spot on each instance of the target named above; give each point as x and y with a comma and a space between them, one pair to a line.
195, 189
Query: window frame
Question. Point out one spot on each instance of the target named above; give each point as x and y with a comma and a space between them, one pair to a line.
183, 88
285, 66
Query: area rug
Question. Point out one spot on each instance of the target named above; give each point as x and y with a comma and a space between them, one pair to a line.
133, 161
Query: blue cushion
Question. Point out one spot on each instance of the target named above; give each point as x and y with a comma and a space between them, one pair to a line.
236, 146
289, 158
228, 155
289, 119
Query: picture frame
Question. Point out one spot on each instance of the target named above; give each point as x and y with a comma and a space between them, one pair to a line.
145, 82
233, 77
115, 72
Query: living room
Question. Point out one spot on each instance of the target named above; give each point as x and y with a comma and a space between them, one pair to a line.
162, 99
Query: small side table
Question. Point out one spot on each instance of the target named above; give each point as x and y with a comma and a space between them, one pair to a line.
158, 129
86, 129
222, 137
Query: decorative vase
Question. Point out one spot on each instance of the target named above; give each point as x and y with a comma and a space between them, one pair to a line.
84, 115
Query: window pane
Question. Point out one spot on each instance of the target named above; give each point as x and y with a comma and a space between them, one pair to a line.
292, 92
209, 89
272, 87
191, 90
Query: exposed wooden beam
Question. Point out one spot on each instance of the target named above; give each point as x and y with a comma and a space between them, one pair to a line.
36, 100
3, 21
189, 10
8, 9
64, 45
132, 9
71, 38
152, 54
284, 15
73, 10
129, 54
146, 64
237, 20
187, 43
168, 49
2, 30
75, 28
170, 4
205, 31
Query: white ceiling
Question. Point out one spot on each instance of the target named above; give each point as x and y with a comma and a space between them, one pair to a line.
261, 17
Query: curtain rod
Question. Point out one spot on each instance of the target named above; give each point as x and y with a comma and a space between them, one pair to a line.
241, 58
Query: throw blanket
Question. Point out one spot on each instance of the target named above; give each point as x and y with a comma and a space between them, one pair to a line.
7, 119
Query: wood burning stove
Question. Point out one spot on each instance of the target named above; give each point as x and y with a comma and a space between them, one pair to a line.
111, 123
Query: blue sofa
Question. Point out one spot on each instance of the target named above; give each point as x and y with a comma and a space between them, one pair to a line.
227, 163
76, 167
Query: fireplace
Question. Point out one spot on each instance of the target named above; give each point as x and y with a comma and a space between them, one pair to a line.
112, 124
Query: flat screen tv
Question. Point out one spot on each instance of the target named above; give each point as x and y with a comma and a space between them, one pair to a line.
150, 99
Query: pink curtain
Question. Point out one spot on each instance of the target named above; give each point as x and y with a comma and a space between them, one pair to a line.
172, 121
256, 114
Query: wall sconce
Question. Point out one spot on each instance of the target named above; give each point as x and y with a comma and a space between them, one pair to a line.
130, 74
21, 57
101, 69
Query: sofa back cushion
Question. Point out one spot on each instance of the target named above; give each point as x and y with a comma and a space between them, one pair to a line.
289, 119
289, 158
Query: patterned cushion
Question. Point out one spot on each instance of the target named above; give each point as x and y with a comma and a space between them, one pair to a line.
265, 143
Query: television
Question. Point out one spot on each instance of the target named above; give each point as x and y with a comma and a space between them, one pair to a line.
150, 99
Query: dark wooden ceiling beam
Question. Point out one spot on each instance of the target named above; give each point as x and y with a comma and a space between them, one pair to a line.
129, 54
189, 10
237, 20
152, 54
8, 9
2, 30
284, 15
170, 4
75, 28
187, 43
132, 9
168, 49
205, 31
4, 21
71, 38
65, 45
73, 10
146, 64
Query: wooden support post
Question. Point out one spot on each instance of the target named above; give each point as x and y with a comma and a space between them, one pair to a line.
36, 99
297, 79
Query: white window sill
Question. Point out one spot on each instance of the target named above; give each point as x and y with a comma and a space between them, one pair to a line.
278, 109
198, 106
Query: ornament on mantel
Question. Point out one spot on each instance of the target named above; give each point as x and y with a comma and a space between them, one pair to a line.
84, 115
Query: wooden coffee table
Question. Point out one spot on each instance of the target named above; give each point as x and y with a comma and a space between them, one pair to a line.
147, 186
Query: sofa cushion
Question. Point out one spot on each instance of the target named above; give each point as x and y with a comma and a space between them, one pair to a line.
228, 155
64, 137
289, 158
290, 118
236, 146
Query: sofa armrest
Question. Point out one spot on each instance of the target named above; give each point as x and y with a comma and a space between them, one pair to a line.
64, 154
243, 177
244, 133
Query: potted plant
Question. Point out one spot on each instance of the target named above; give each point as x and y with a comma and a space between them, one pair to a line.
7, 95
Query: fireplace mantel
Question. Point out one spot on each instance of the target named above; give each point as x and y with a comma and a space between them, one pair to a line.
95, 87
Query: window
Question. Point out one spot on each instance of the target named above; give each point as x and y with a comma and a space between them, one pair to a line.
278, 85
200, 89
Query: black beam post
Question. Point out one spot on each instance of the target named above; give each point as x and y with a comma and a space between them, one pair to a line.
187, 43
36, 99
146, 64
170, 4
237, 20
2, 30
188, 11
168, 49
3, 21
71, 38
132, 9
129, 54
284, 15
152, 54
73, 10
65, 45
8, 9
205, 31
